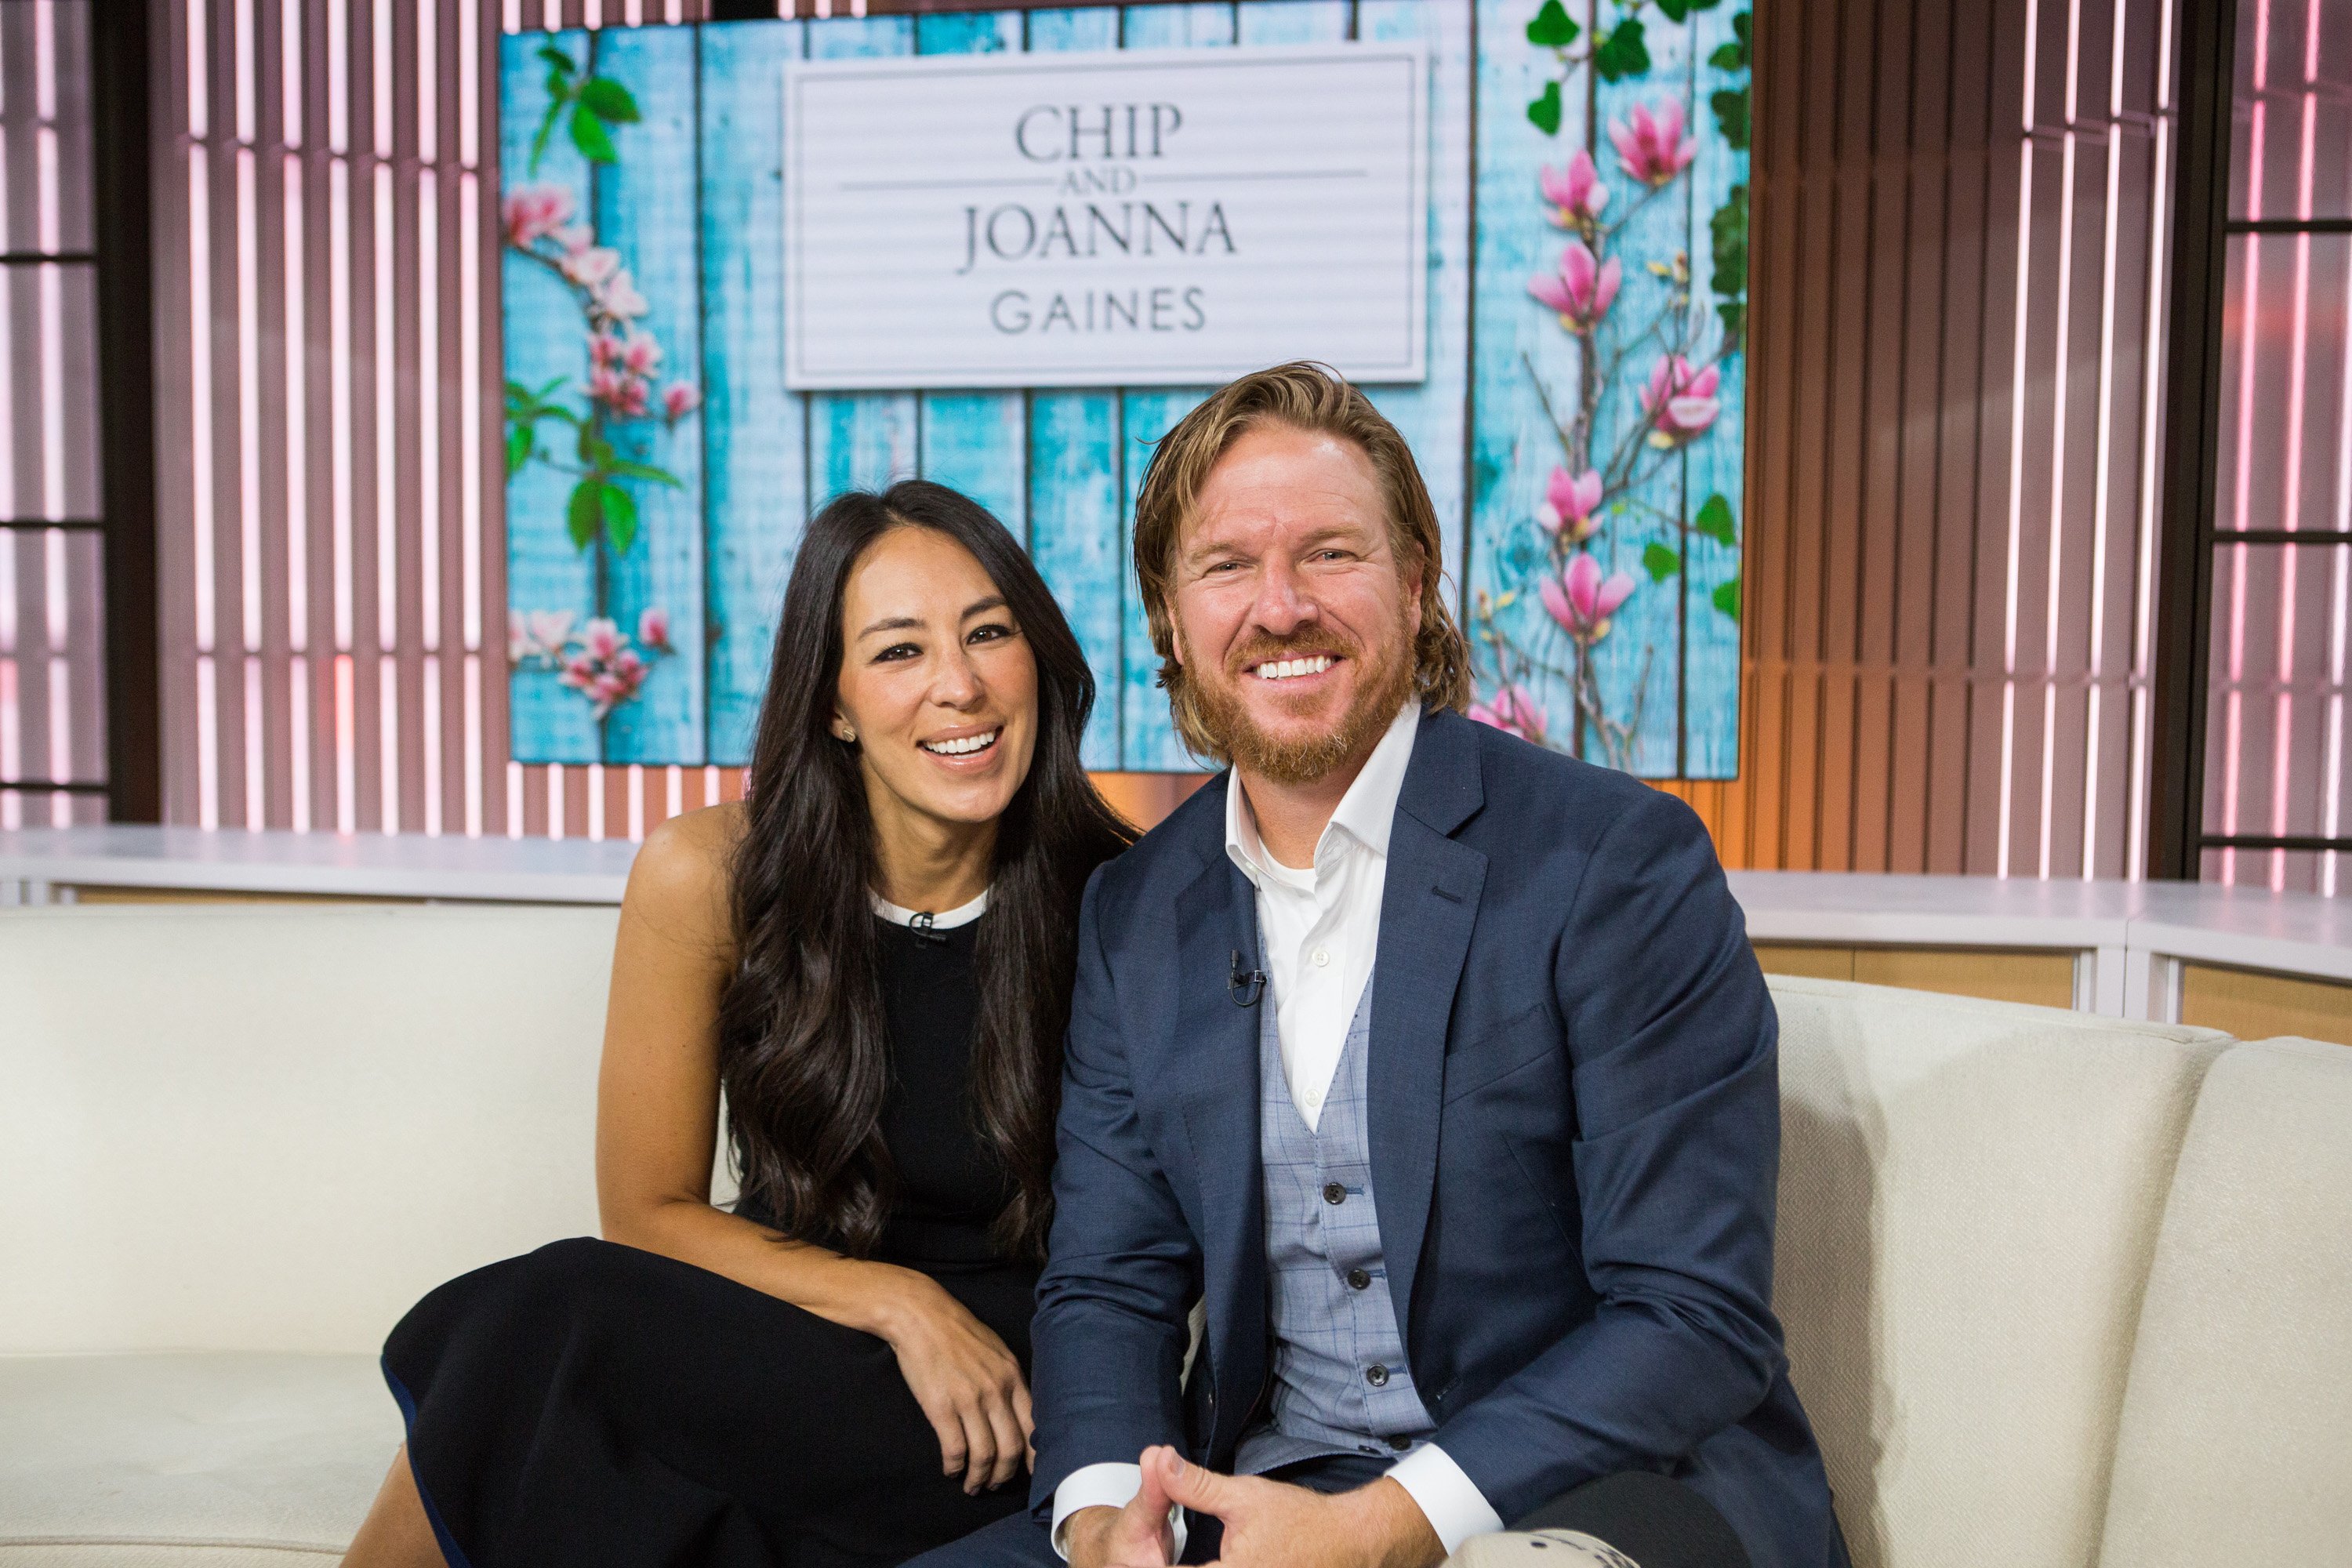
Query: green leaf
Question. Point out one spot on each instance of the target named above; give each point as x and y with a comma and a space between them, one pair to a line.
1675, 10
582, 515
645, 471
1731, 113
518, 449
1734, 324
1728, 229
620, 517
1553, 28
1545, 111
1713, 521
1726, 598
608, 100
1662, 561
557, 59
588, 135
1624, 53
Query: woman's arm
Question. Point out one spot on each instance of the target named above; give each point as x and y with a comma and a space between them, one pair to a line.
658, 1131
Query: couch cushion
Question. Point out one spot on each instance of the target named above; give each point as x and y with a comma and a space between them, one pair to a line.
206, 1461
274, 1128
2236, 1444
1969, 1193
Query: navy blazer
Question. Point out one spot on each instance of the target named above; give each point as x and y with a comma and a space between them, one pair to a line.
1575, 1123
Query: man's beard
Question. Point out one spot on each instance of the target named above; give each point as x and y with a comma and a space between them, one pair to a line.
1387, 679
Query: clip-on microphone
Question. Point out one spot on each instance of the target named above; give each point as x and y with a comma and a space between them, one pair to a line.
1246, 984
923, 926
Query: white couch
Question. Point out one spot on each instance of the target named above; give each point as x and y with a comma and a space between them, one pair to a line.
2060, 1290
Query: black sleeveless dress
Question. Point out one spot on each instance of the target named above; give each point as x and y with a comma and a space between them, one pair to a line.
591, 1404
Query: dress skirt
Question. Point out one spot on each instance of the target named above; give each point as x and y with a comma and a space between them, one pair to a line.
590, 1404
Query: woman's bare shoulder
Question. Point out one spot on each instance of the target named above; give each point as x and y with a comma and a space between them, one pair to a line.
682, 873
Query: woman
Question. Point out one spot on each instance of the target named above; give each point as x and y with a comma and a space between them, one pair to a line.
871, 959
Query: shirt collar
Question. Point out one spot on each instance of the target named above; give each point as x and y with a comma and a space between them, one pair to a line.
948, 919
1365, 813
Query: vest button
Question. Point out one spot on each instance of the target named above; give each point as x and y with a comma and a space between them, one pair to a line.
1377, 1375
1333, 1193
1358, 1278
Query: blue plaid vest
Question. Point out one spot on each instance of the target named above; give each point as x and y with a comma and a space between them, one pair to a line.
1341, 1383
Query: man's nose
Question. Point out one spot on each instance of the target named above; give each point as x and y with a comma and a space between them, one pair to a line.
1283, 603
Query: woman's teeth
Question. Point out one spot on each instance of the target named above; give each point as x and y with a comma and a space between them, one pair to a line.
963, 747
1284, 668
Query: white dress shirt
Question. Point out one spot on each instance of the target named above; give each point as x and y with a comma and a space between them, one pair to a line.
1322, 926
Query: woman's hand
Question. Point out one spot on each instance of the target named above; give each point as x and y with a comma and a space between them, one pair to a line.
968, 1384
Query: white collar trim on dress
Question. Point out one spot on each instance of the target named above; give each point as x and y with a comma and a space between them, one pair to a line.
947, 920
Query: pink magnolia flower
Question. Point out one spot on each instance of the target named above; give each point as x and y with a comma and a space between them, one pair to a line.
578, 672
592, 266
1680, 401
679, 399
641, 353
1514, 712
574, 237
1582, 602
1583, 291
604, 349
618, 390
534, 212
1576, 194
538, 634
1568, 505
617, 296
653, 627
601, 639
1651, 144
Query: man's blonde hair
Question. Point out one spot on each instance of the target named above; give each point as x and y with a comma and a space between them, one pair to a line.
1311, 398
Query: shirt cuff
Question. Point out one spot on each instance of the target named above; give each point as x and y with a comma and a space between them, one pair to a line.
1456, 1509
1110, 1486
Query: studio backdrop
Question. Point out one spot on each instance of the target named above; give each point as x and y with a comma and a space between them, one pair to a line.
748, 265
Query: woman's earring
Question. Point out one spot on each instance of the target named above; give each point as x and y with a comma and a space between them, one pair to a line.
848, 734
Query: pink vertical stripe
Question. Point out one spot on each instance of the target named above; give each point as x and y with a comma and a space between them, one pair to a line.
2016, 452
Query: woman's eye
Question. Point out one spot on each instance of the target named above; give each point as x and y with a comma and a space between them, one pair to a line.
898, 651
993, 632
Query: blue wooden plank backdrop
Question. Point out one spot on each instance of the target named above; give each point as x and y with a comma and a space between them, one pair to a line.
544, 342
647, 203
755, 433
1149, 743
1527, 373
975, 441
1076, 480
1711, 643
1060, 466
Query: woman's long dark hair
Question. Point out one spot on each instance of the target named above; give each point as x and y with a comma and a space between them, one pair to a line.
802, 1054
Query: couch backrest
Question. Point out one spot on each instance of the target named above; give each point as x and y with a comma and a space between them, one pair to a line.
275, 1127
2236, 1441
1969, 1193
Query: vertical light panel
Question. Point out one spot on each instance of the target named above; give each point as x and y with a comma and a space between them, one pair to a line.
52, 714
2274, 775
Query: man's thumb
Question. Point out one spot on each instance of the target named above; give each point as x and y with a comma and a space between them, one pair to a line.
1201, 1490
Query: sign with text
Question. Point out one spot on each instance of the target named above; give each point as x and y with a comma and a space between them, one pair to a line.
1124, 218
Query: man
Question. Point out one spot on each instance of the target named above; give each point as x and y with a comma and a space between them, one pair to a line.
1434, 1065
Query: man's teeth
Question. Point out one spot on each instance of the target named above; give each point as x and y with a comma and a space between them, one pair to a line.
964, 747
1284, 668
